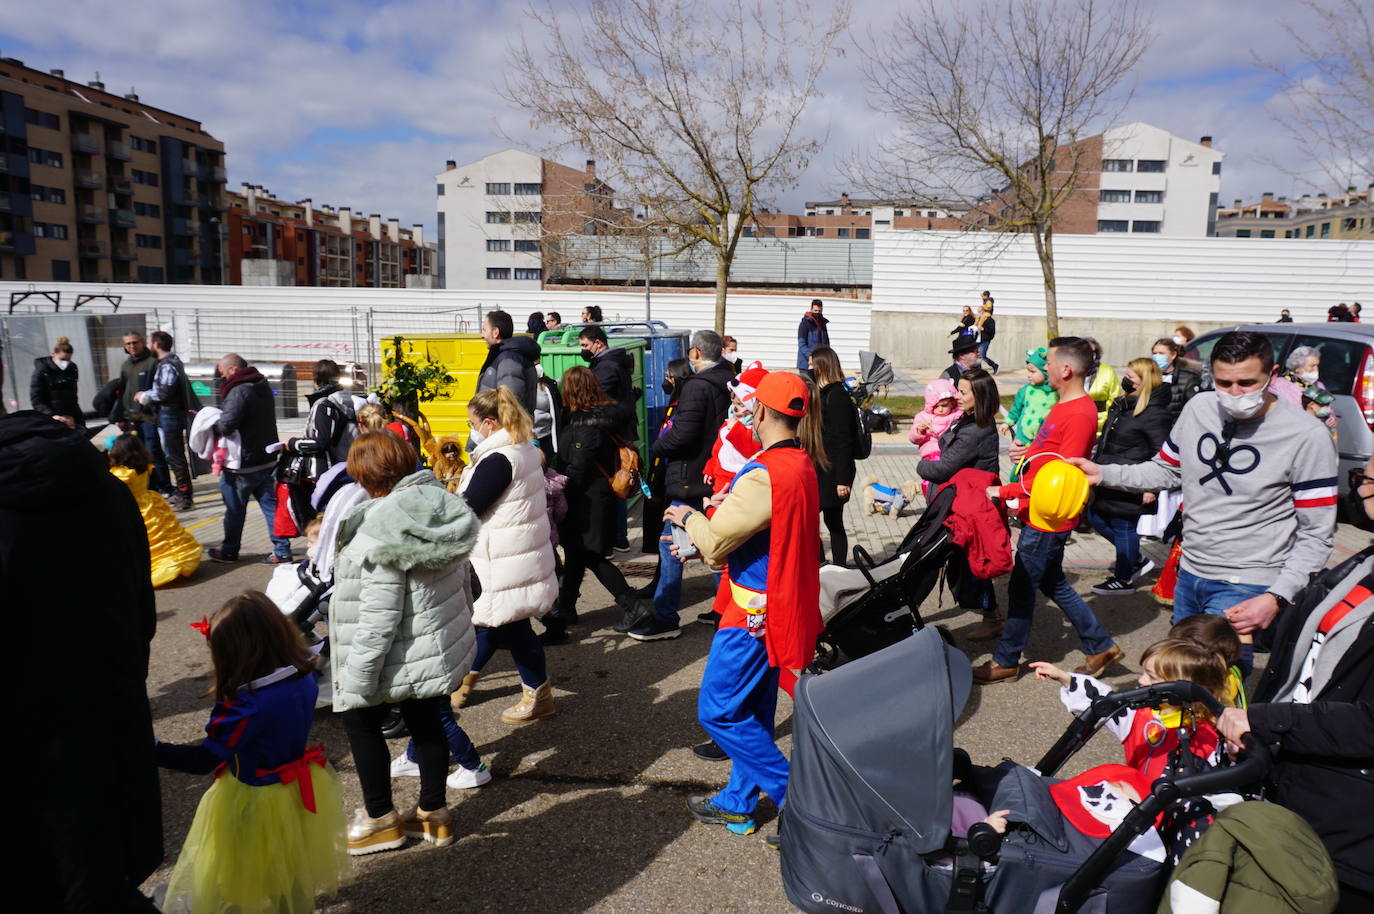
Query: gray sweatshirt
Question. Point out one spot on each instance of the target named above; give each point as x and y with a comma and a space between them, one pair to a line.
1266, 517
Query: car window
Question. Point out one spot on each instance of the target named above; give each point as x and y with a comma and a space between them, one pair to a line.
1341, 361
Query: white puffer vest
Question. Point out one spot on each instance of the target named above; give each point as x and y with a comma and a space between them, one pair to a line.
514, 555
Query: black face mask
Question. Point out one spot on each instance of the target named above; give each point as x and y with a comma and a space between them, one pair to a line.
587, 355
668, 387
1128, 385
1354, 510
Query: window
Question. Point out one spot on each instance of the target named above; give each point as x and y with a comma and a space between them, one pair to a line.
1118, 165
148, 241
1114, 196
1326, 229
44, 157
1145, 225
898, 212
139, 144
1310, 231
842, 233
150, 274
830, 212
530, 247
1267, 233
498, 272
495, 218
1150, 166
1242, 233
47, 194
147, 178
861, 233
534, 273
1111, 225
878, 222
151, 210
49, 230
1288, 234
747, 231
498, 190
42, 119
1149, 196
530, 190
529, 217
1216, 168
439, 190
820, 232
496, 245
1340, 364
61, 270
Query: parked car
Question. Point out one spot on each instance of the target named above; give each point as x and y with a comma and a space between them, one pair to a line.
1347, 371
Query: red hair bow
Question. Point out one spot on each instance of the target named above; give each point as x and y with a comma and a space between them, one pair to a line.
203, 626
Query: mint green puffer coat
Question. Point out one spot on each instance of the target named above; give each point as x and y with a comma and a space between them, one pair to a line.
400, 621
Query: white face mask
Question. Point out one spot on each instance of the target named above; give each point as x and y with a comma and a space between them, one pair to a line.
475, 437
1308, 377
1242, 406
60, 363
1181, 341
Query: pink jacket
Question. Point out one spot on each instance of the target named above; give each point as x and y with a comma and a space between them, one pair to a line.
926, 427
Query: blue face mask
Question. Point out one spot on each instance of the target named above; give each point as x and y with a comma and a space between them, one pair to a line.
1162, 361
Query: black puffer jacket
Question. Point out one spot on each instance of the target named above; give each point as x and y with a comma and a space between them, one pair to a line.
1325, 749
963, 445
587, 456
840, 435
615, 369
1185, 383
52, 391
686, 445
1128, 438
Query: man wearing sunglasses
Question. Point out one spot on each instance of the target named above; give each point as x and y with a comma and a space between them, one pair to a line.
1259, 490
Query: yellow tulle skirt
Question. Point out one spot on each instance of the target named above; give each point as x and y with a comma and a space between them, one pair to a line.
258, 850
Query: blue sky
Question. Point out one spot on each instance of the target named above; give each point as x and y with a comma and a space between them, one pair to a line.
358, 104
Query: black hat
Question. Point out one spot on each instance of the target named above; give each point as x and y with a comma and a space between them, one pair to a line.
963, 345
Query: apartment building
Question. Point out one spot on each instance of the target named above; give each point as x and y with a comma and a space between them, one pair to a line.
274, 242
101, 187
501, 216
1348, 216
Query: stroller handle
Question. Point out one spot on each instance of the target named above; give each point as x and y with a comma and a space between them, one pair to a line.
1252, 768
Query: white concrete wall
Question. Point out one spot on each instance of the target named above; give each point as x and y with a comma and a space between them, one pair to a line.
1187, 181
465, 204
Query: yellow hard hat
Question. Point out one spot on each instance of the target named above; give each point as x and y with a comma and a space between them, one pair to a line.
1058, 494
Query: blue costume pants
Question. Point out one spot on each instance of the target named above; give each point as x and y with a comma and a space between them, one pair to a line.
736, 706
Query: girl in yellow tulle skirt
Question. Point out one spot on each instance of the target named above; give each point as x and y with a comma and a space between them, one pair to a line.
175, 552
269, 834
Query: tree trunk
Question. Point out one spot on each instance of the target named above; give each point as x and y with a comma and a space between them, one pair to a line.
1044, 249
722, 284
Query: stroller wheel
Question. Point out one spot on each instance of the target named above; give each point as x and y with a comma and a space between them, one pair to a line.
393, 724
827, 658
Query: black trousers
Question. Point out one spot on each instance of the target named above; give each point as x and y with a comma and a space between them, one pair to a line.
577, 559
839, 540
373, 760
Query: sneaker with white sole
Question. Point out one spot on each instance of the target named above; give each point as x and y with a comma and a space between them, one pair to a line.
1112, 587
1142, 568
403, 767
466, 779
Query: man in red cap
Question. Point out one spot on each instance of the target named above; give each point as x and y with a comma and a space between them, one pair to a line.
767, 531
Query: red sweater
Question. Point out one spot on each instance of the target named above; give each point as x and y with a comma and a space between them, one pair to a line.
1068, 431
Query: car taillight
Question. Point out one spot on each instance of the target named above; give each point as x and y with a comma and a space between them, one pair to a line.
1364, 389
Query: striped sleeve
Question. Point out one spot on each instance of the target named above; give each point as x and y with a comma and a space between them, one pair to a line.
1168, 451
1312, 479
1315, 493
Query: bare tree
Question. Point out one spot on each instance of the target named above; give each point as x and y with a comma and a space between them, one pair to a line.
1327, 103
692, 111
993, 106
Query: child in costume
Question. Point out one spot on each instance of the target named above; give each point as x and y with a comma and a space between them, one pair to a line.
888, 500
175, 553
1033, 402
269, 834
940, 412
735, 442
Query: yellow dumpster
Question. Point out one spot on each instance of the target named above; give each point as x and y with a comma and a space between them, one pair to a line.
462, 355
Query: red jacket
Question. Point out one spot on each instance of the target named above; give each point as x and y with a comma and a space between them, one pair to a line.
978, 525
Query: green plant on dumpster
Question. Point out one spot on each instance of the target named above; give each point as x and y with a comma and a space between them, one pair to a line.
411, 383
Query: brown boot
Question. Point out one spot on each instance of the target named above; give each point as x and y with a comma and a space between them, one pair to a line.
990, 672
460, 698
1096, 663
435, 827
535, 704
989, 628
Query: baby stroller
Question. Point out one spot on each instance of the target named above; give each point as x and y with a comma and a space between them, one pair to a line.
867, 822
877, 374
876, 604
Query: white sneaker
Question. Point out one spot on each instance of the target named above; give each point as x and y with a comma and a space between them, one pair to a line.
463, 779
402, 767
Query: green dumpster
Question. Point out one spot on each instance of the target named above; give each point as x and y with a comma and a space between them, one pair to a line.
560, 351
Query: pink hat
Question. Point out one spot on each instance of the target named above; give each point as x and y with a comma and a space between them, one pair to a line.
940, 389
747, 382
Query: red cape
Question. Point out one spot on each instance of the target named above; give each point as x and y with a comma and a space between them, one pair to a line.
794, 559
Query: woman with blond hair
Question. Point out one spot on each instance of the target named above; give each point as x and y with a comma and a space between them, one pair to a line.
504, 486
1136, 425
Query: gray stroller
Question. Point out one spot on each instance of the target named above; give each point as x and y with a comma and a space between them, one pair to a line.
866, 827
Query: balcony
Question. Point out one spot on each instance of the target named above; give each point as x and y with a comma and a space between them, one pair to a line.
217, 175
122, 217
85, 177
123, 252
93, 250
218, 204
89, 214
5, 203
185, 227
86, 142
121, 185
117, 150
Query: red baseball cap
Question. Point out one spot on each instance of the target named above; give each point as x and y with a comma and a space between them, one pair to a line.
783, 392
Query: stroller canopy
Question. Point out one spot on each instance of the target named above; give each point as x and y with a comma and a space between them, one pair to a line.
875, 370
875, 738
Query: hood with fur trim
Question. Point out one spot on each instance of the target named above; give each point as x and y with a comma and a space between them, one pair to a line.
419, 525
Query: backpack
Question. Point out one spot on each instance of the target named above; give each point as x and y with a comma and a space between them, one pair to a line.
863, 435
627, 477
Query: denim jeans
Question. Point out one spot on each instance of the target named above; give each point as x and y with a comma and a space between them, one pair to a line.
1194, 595
158, 479
171, 426
460, 747
1121, 533
237, 489
525, 649
1040, 565
983, 354
668, 593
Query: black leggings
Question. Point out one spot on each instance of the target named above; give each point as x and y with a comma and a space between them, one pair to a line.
373, 760
576, 561
839, 540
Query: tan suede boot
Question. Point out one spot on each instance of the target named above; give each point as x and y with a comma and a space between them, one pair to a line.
535, 704
460, 698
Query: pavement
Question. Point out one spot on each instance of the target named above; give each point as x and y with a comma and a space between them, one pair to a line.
586, 810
